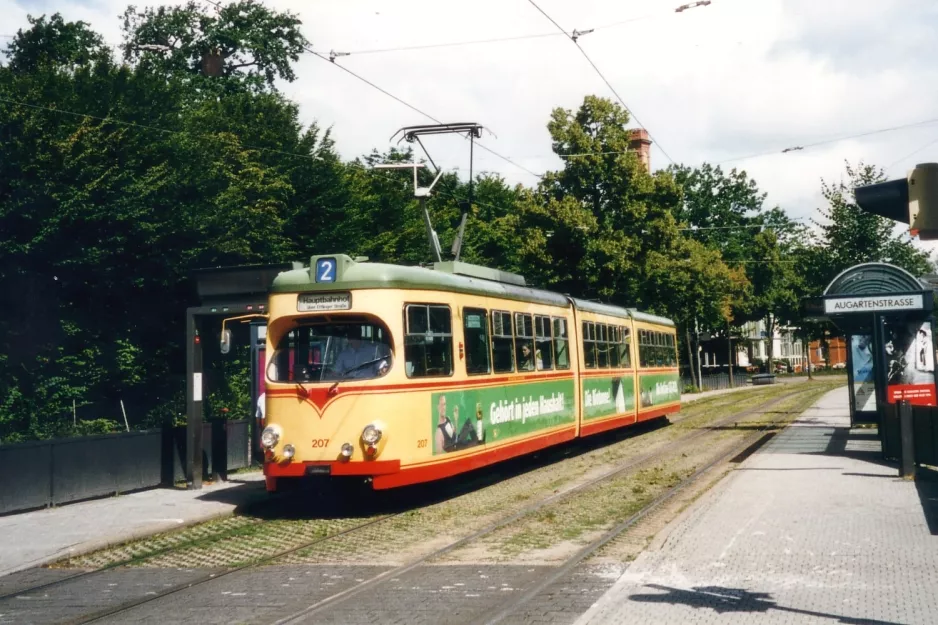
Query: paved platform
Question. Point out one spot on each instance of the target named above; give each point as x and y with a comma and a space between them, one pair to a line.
42, 536
814, 528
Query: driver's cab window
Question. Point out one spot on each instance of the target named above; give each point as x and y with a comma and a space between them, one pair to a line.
329, 352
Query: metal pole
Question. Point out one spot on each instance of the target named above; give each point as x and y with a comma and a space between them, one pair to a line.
193, 402
690, 356
729, 340
697, 336
434, 244
907, 459
457, 244
807, 353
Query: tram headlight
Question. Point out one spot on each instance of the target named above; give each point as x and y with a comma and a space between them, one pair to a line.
371, 435
347, 450
270, 436
288, 451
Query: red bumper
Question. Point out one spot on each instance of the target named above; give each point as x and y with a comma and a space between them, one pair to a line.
299, 469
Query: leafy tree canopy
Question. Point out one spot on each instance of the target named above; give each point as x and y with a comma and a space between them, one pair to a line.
242, 39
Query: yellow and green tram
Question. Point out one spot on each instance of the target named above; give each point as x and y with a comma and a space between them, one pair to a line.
410, 374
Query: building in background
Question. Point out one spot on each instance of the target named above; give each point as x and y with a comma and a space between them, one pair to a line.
751, 349
640, 143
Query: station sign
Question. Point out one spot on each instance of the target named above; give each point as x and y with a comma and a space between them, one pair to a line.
873, 303
322, 302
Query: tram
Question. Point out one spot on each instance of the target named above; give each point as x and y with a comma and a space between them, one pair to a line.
401, 375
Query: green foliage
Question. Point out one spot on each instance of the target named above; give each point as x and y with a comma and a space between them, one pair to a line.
118, 178
230, 397
55, 43
241, 40
850, 236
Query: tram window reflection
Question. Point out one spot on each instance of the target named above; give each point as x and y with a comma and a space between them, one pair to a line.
612, 348
589, 344
475, 329
625, 357
602, 346
643, 348
561, 343
503, 356
543, 348
428, 342
328, 352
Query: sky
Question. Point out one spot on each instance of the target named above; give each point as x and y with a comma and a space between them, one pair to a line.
717, 83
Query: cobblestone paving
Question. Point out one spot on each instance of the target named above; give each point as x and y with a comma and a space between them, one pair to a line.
813, 529
466, 594
88, 595
432, 594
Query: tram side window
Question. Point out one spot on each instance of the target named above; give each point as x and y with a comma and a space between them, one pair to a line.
428, 343
625, 356
543, 349
663, 341
589, 344
561, 343
503, 356
659, 350
672, 352
602, 347
612, 348
644, 348
475, 329
524, 342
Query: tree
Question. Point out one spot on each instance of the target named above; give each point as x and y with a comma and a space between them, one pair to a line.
56, 43
115, 182
724, 210
243, 40
850, 235
632, 209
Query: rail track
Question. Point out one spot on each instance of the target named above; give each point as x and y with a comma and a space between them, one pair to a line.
334, 601
353, 527
747, 445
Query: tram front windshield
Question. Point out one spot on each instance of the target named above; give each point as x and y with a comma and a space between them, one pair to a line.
331, 352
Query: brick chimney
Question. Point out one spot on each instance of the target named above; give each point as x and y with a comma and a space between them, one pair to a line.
641, 145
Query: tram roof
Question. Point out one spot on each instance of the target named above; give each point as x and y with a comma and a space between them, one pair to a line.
367, 275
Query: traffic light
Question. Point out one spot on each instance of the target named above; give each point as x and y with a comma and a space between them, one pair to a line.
912, 201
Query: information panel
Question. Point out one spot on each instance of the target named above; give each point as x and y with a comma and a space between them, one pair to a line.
910, 362
864, 381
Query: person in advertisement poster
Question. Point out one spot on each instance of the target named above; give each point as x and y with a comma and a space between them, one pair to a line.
864, 386
910, 363
450, 436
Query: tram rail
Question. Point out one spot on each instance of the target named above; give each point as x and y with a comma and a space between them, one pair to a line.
338, 598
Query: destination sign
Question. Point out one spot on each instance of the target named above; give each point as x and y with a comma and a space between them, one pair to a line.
873, 303
321, 302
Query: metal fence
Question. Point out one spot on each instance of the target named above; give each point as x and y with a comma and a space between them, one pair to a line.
716, 381
58, 471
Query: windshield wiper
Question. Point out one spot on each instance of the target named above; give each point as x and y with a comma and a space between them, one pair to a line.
355, 368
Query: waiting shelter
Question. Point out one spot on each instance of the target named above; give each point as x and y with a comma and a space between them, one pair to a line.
887, 315
230, 294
